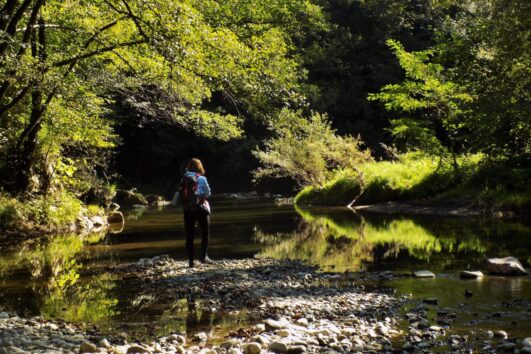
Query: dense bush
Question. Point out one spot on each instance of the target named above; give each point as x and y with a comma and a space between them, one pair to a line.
307, 150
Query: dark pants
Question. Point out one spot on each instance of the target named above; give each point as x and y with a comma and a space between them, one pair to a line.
191, 217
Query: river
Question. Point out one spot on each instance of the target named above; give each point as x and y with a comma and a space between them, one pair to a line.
68, 277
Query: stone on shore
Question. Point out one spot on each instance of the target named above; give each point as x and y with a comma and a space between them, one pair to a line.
137, 349
278, 347
87, 347
506, 266
467, 274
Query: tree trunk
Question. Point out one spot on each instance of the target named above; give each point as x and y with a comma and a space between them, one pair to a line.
28, 141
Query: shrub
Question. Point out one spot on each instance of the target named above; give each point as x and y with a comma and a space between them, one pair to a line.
307, 150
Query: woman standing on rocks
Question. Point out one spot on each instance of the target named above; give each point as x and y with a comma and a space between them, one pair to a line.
194, 191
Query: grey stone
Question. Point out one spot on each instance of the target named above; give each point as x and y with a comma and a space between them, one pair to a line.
526, 342
252, 348
273, 324
200, 337
87, 347
506, 347
231, 343
278, 347
137, 349
296, 349
467, 274
104, 343
506, 266
423, 274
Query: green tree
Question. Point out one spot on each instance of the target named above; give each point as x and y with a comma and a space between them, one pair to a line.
60, 59
487, 50
307, 150
435, 107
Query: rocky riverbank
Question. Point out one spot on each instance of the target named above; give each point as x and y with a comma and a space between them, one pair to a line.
296, 309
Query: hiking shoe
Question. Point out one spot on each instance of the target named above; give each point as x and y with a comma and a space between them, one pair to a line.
207, 260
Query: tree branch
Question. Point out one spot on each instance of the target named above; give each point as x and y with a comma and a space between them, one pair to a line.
6, 13
97, 52
12, 26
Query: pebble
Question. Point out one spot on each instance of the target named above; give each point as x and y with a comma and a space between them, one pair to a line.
500, 334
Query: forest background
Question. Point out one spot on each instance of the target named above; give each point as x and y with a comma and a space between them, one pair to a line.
365, 100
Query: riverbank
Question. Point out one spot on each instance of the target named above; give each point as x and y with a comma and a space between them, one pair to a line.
416, 182
296, 309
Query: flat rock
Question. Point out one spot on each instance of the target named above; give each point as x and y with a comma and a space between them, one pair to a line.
506, 266
274, 324
527, 342
137, 349
278, 347
423, 274
87, 347
467, 274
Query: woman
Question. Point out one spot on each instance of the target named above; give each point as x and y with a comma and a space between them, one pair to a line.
194, 191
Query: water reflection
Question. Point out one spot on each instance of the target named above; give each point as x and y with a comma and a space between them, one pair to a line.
342, 240
55, 288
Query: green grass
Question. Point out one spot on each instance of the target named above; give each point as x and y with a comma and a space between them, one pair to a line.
417, 177
54, 211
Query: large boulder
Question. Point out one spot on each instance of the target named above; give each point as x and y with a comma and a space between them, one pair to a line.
129, 198
506, 266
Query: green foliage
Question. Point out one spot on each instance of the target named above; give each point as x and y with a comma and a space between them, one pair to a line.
487, 49
57, 210
307, 150
420, 177
430, 99
60, 72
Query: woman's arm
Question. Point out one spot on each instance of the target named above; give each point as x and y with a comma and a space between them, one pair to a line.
203, 187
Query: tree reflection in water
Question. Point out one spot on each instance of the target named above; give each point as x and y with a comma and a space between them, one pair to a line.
342, 240
56, 289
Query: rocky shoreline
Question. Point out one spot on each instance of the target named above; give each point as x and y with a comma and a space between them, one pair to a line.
298, 309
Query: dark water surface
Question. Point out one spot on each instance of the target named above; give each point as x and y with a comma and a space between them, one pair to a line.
66, 278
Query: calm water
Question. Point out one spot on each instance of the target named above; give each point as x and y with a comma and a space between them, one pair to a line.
66, 277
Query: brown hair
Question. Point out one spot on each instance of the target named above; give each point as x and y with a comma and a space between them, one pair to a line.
195, 165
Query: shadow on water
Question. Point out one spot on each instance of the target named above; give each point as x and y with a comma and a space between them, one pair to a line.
67, 278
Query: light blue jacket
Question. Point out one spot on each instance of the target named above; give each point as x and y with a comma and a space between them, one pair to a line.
203, 189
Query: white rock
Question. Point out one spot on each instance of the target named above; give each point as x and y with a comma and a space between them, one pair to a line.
302, 322
423, 274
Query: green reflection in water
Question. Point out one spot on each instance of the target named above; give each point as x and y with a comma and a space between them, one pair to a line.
82, 302
343, 240
54, 269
